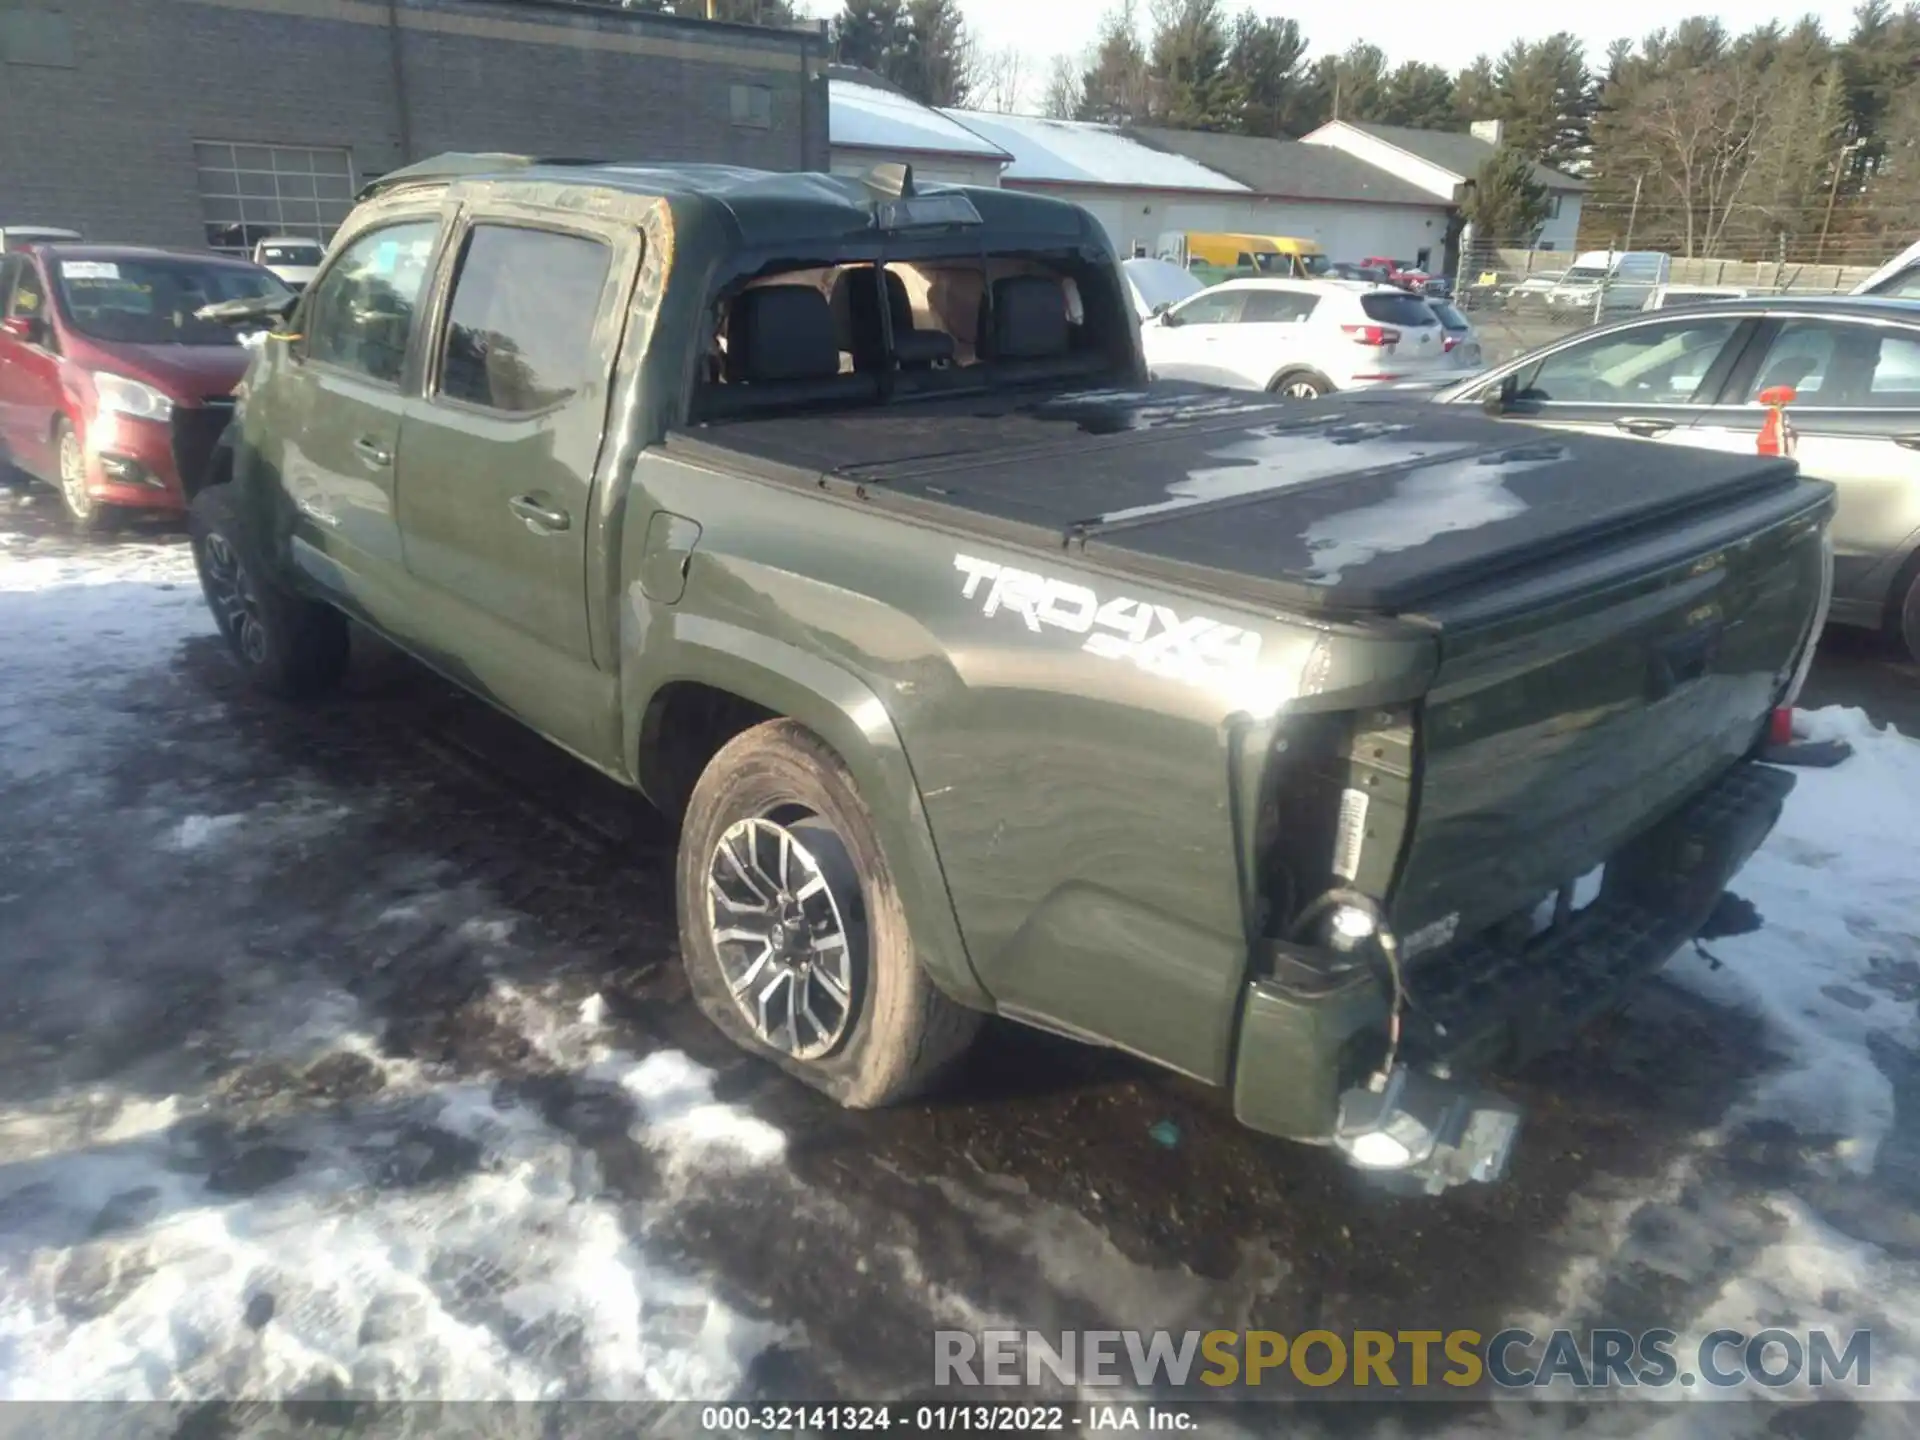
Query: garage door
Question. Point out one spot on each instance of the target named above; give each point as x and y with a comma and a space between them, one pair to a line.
248, 192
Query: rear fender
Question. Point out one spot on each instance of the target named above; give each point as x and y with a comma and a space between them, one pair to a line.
845, 712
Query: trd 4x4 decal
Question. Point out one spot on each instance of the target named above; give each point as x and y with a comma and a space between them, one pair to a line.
1193, 649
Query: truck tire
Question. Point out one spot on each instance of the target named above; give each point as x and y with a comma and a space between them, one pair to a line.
86, 514
1906, 614
793, 932
289, 646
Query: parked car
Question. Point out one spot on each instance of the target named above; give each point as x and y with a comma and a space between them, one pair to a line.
22, 237
984, 675
1665, 297
111, 387
1611, 279
1158, 285
1347, 270
294, 258
1406, 276
1898, 279
1693, 378
1297, 338
1462, 346
1533, 288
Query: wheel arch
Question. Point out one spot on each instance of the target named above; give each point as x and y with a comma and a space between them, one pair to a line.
725, 678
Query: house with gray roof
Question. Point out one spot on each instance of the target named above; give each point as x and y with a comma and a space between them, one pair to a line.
1440, 162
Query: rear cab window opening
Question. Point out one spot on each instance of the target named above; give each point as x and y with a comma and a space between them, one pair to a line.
822, 335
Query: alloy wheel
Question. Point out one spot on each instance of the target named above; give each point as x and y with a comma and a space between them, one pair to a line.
73, 476
1300, 390
777, 908
236, 608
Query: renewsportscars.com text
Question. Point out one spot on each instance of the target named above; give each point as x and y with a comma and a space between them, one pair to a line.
1443, 1360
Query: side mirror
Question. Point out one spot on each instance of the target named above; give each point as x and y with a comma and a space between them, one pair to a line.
24, 328
1165, 316
1499, 401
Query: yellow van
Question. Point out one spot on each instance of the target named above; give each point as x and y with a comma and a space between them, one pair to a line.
1280, 255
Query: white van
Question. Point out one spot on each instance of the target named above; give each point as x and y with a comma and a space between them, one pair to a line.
1898, 279
1629, 276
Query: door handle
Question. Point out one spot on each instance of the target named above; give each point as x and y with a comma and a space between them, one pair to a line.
1635, 425
1908, 442
538, 516
371, 451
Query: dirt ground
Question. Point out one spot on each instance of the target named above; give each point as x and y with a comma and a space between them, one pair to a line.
405, 854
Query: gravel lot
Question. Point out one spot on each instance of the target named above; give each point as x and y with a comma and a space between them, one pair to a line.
346, 1053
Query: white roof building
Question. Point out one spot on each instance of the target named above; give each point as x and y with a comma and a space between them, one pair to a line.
870, 123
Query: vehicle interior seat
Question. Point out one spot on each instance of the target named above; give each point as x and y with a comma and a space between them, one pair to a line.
1025, 331
857, 320
782, 349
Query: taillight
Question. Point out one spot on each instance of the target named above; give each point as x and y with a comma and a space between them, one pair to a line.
1780, 726
1448, 343
1375, 335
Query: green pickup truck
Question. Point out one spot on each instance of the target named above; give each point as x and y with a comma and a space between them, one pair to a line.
1329, 760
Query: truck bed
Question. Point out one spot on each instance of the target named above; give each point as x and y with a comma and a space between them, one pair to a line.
1310, 507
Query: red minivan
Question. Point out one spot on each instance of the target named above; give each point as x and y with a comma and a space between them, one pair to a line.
111, 389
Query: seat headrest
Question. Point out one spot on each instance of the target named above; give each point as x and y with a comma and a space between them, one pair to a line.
1029, 318
781, 332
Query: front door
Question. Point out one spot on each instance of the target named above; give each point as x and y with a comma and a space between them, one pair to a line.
30, 397
499, 454
337, 402
1648, 381
1193, 339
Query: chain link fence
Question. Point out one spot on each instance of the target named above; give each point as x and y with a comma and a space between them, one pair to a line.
1518, 298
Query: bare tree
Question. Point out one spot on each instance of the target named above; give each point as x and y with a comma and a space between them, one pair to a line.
1000, 79
1704, 132
1066, 90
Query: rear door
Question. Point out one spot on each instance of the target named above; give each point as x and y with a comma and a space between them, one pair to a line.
1649, 380
500, 450
1273, 332
1857, 422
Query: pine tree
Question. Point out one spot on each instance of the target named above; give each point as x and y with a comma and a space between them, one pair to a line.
875, 35
1507, 206
1115, 87
1188, 65
939, 69
1263, 79
1419, 95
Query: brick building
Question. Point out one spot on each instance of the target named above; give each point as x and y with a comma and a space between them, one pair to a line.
197, 122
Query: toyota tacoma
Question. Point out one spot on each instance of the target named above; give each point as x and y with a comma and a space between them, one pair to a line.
1334, 761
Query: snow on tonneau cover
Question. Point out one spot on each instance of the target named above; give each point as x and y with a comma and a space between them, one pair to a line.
1614, 619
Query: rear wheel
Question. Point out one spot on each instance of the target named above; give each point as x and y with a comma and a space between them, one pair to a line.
1302, 385
86, 513
793, 932
1906, 620
289, 646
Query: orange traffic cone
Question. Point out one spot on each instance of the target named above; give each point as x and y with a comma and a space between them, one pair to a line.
1776, 434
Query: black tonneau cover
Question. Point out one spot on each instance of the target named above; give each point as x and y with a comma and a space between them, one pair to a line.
1314, 506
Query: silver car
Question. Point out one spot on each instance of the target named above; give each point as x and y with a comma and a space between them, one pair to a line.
1693, 376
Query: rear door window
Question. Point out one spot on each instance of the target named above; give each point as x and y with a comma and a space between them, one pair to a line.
519, 335
1277, 307
1396, 310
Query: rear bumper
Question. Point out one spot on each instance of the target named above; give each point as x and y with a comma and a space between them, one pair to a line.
1479, 1003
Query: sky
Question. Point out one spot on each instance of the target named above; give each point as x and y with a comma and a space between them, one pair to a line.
1045, 28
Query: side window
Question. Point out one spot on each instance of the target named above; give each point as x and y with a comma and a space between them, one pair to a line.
362, 310
9, 267
520, 329
1244, 260
1661, 364
1219, 307
1896, 371
1276, 307
1802, 355
29, 299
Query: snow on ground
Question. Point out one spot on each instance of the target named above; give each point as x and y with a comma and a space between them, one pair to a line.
435, 1236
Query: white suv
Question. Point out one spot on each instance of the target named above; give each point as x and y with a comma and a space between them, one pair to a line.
1298, 338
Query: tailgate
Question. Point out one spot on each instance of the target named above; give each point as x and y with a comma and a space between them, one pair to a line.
1575, 710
